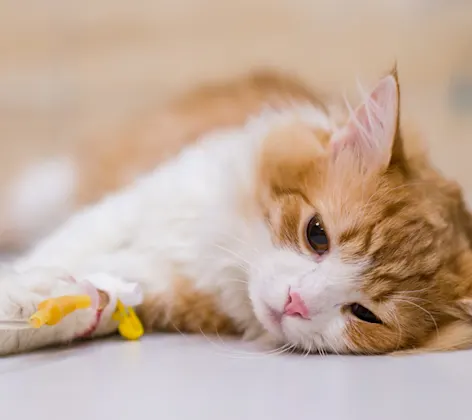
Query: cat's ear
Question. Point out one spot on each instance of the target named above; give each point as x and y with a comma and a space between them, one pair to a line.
370, 140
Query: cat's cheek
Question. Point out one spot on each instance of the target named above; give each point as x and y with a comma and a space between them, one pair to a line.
367, 338
322, 334
255, 289
261, 308
334, 336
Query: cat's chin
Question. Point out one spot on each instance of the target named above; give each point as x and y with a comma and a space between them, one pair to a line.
262, 339
267, 342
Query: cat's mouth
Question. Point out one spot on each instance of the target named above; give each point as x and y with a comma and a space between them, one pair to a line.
280, 324
275, 316
287, 329
271, 319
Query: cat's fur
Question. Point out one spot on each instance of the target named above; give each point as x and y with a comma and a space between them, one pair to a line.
216, 232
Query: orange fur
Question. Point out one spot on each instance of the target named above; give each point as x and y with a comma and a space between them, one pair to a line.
108, 164
184, 309
408, 220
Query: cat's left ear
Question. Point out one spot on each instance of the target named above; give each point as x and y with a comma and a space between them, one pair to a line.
371, 140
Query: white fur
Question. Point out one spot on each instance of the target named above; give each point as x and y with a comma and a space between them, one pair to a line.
325, 286
184, 219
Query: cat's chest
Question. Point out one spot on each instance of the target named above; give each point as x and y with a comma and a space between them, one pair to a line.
196, 291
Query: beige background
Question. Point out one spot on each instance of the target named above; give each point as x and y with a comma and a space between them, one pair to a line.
70, 69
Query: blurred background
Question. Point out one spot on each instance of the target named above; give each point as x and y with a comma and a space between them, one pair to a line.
71, 69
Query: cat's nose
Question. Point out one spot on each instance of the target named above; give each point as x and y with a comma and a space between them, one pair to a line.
295, 306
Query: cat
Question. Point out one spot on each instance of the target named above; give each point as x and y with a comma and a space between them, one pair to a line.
258, 211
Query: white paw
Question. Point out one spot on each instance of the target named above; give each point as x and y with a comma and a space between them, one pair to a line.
19, 296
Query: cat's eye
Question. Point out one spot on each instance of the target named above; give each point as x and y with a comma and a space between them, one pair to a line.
364, 314
316, 236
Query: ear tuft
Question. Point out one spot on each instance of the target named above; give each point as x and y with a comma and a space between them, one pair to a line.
368, 139
394, 71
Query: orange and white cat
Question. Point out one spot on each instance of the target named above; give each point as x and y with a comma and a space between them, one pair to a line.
257, 213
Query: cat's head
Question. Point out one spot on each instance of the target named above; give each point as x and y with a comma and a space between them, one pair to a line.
368, 251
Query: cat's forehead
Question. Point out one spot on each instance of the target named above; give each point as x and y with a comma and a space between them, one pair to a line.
386, 224
384, 219
397, 232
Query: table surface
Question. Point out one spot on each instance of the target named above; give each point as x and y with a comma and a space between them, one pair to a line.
192, 377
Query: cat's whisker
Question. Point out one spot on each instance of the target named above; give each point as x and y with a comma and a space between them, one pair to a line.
231, 252
241, 354
283, 349
242, 242
392, 314
424, 289
239, 281
359, 332
224, 350
186, 336
258, 355
290, 349
422, 309
307, 351
333, 348
414, 298
345, 343
354, 119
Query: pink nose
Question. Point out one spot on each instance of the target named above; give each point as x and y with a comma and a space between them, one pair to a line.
295, 306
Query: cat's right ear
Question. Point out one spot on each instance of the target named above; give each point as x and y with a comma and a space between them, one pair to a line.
370, 140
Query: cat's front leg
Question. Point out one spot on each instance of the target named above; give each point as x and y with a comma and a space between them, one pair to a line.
19, 296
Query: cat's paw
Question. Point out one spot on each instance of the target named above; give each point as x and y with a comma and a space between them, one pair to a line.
19, 296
